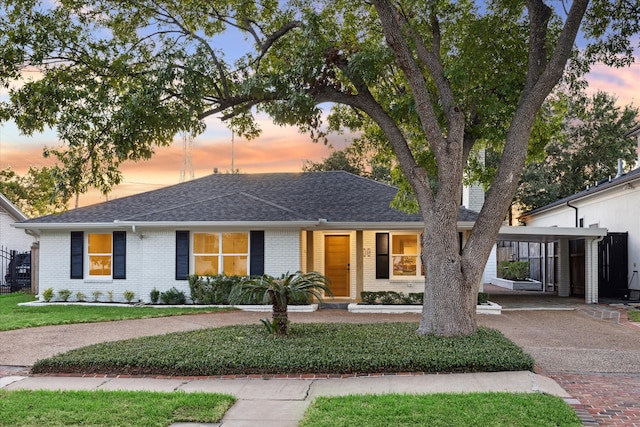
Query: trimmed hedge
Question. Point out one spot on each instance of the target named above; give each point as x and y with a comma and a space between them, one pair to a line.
395, 298
215, 290
310, 348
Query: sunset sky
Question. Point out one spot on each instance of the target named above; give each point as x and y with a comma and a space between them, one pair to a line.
277, 150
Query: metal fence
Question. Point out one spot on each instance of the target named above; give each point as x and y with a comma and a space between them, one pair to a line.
15, 271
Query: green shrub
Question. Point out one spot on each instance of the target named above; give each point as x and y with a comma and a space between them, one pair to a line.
129, 295
483, 298
154, 295
513, 270
96, 295
173, 297
391, 298
47, 294
64, 294
213, 289
110, 295
80, 296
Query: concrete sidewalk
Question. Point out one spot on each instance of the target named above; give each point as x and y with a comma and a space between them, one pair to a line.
282, 402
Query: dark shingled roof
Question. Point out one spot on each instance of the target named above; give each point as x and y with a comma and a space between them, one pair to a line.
335, 196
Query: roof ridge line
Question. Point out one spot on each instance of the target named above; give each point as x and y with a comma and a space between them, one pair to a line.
275, 205
177, 206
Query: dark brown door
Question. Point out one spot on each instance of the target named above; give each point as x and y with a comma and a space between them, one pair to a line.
336, 264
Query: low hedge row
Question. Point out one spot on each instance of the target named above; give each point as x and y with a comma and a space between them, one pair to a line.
334, 348
216, 290
413, 298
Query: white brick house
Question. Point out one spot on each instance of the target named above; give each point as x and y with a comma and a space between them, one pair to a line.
336, 223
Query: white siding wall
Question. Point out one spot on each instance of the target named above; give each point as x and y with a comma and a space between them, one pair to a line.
13, 238
617, 211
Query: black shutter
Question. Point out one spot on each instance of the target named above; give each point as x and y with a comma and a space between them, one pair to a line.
182, 255
256, 253
382, 255
77, 254
119, 255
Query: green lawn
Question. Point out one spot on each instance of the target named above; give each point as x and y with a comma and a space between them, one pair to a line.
445, 410
634, 315
13, 316
24, 408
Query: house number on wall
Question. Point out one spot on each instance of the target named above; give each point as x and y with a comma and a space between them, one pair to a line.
367, 253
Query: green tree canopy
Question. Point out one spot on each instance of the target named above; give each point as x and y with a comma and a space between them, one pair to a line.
34, 193
591, 141
430, 81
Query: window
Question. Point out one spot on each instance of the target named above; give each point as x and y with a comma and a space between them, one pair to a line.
99, 248
105, 255
220, 253
405, 255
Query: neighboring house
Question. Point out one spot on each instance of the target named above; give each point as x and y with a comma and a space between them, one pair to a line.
336, 223
11, 238
613, 204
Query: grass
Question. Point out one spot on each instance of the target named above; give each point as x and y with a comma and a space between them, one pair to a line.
634, 315
310, 348
446, 410
13, 316
24, 408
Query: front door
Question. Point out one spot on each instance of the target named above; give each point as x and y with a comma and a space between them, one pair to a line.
336, 264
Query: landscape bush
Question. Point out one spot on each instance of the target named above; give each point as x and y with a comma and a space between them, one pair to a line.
513, 270
333, 348
216, 290
173, 297
394, 298
47, 294
64, 294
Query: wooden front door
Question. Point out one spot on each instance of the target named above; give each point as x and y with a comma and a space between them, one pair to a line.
336, 264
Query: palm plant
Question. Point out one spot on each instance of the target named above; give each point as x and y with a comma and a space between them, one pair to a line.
280, 292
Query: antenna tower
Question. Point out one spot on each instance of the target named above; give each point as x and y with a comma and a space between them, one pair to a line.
187, 157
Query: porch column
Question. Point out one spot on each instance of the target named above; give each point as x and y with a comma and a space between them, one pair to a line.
591, 270
310, 253
359, 264
564, 277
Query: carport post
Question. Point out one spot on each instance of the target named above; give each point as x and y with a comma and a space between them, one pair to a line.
564, 277
591, 269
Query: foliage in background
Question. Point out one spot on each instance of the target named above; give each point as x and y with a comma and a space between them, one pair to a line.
585, 151
34, 193
332, 348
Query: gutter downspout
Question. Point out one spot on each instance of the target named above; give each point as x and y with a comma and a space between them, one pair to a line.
576, 209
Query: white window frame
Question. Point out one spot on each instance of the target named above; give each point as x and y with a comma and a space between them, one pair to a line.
418, 256
220, 254
88, 256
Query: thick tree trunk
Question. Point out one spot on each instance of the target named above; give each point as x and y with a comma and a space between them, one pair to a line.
451, 290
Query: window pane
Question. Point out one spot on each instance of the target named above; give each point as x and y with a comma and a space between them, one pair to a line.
99, 243
99, 265
206, 265
405, 265
235, 243
402, 244
205, 243
235, 265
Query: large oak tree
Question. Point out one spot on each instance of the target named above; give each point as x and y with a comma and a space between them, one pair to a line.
435, 80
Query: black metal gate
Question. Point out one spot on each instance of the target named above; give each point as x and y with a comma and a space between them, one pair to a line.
15, 271
613, 266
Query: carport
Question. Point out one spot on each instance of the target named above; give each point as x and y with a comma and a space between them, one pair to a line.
562, 235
